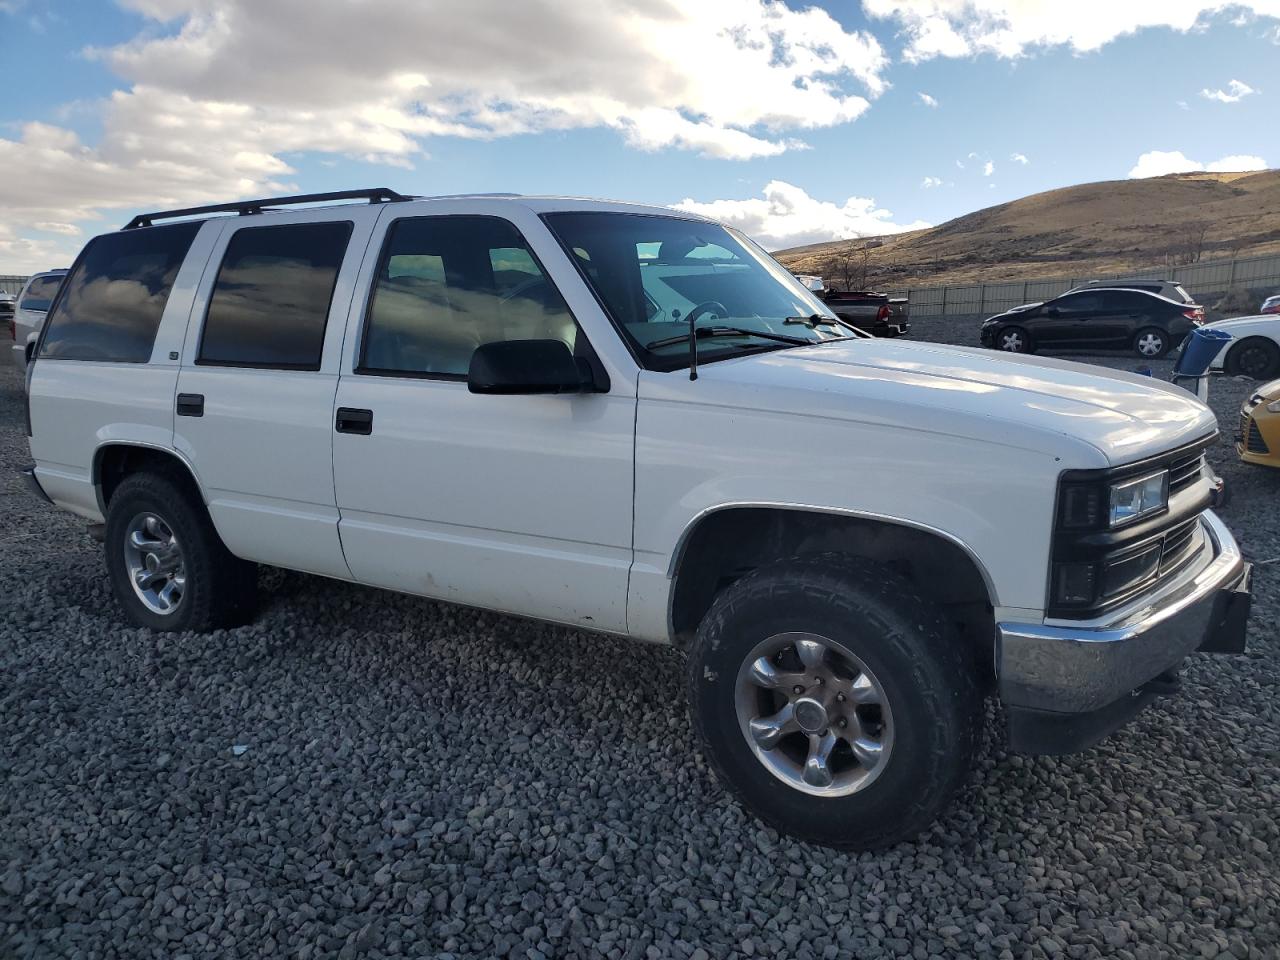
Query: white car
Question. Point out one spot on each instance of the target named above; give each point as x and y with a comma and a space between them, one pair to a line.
1254, 350
491, 401
32, 306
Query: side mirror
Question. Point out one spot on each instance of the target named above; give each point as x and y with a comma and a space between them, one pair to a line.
1052, 312
527, 366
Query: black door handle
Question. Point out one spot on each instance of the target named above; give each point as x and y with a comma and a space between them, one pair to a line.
190, 405
354, 420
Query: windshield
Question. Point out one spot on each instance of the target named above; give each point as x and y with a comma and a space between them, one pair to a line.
654, 274
39, 293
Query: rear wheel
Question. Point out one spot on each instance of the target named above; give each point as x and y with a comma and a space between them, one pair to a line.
1254, 357
834, 702
1151, 342
1014, 340
169, 569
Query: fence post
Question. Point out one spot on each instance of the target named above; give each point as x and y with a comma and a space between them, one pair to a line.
1231, 275
1024, 291
944, 302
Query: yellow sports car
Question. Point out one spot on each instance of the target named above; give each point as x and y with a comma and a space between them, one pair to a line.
1259, 440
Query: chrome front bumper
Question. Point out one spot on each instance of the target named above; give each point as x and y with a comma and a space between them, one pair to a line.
1086, 667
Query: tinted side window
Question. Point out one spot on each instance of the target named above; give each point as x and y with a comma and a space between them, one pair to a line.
111, 306
40, 293
271, 298
446, 285
1079, 303
1135, 302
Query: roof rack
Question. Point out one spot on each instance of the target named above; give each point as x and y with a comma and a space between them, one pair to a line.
248, 207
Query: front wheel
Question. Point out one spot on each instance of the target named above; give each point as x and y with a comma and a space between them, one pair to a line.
1254, 357
834, 702
1151, 342
169, 569
1014, 340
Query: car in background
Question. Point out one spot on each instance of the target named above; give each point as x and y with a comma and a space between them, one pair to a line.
1254, 348
812, 283
33, 305
8, 305
1271, 304
875, 313
1101, 318
1165, 288
1259, 438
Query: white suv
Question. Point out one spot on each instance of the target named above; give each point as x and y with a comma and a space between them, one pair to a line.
30, 309
635, 421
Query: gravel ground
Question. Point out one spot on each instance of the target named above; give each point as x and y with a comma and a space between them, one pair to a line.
364, 774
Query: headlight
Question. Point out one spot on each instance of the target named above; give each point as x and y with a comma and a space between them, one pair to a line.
1274, 406
1133, 499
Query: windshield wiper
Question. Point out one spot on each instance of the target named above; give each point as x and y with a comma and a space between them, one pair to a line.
814, 320
704, 332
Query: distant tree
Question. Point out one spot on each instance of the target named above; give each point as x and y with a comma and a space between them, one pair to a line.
851, 267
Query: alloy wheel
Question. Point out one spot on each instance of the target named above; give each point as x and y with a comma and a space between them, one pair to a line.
155, 564
813, 714
1012, 341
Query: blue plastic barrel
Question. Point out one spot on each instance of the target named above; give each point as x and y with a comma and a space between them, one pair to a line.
1198, 351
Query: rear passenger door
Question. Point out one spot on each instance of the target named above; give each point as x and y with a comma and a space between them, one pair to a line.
254, 403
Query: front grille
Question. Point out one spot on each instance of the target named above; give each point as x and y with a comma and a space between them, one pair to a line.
1181, 544
1185, 471
1253, 442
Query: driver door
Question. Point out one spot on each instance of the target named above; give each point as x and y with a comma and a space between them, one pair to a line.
515, 503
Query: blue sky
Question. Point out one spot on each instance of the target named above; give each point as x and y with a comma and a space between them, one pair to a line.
771, 116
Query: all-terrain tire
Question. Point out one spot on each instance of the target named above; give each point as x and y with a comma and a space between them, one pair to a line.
220, 589
929, 681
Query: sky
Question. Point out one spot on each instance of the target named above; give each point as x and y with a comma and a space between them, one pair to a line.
798, 122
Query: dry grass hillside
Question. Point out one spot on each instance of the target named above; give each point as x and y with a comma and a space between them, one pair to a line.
1094, 228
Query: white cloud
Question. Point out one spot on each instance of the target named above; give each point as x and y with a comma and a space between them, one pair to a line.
1183, 105
959, 164
927, 100
66, 229
1011, 28
216, 95
1019, 158
988, 168
929, 183
1158, 163
786, 216
1235, 92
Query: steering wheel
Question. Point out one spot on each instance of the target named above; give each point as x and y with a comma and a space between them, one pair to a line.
706, 306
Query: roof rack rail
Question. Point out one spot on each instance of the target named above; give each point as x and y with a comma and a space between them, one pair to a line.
248, 207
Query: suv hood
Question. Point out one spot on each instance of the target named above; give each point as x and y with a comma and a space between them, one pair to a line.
1034, 402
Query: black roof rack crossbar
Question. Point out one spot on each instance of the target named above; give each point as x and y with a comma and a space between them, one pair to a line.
248, 207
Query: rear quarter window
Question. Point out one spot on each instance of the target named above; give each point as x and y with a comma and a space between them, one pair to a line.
114, 297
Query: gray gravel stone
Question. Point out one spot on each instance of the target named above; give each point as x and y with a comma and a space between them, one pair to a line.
427, 780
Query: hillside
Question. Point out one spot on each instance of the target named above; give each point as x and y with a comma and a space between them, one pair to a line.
1094, 228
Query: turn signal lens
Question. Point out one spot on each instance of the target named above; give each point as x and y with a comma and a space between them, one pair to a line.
1075, 584
1081, 507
